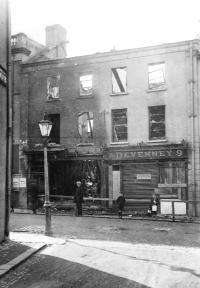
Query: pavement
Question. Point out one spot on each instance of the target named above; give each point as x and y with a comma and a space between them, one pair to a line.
20, 247
159, 217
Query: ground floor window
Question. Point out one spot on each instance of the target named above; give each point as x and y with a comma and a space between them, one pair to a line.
172, 174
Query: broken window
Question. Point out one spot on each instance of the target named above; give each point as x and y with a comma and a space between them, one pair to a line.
156, 122
86, 84
156, 76
85, 126
119, 80
119, 125
53, 87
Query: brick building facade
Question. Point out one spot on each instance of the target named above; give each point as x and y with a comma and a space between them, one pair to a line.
123, 120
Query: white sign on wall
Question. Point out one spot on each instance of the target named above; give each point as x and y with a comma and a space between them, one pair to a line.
143, 176
16, 182
22, 182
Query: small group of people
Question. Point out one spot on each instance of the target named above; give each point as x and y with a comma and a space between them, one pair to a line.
79, 194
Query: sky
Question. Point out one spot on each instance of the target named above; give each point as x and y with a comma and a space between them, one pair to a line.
101, 25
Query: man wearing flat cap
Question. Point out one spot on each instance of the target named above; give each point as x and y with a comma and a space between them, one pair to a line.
78, 198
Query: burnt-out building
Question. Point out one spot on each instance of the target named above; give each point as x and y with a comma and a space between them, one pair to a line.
123, 121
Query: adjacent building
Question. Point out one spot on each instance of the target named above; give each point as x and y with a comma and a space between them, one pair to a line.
5, 131
123, 120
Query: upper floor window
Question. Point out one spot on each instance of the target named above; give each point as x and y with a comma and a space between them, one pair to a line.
55, 132
157, 122
13, 41
119, 85
86, 84
53, 87
85, 126
119, 125
156, 74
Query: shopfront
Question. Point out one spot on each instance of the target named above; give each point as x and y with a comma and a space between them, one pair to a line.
65, 168
141, 171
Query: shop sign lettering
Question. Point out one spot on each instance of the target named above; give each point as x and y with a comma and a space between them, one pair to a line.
158, 154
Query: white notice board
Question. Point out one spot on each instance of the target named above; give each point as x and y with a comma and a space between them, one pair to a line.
166, 208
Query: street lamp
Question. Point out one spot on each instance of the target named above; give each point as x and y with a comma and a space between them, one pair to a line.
45, 129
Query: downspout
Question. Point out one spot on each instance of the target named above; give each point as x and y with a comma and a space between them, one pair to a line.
192, 116
9, 127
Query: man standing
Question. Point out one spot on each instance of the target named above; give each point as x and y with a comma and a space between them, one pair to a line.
78, 198
121, 203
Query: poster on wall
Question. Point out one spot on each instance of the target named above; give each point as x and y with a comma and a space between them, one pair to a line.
22, 182
16, 182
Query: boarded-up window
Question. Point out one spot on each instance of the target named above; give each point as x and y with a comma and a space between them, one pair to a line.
53, 87
85, 126
86, 85
119, 125
156, 76
119, 80
156, 122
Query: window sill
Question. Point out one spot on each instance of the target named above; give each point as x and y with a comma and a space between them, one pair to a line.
85, 96
119, 94
119, 143
156, 90
85, 144
157, 141
53, 100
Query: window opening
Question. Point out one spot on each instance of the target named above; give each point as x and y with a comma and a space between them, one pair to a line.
119, 125
156, 76
156, 122
86, 84
119, 84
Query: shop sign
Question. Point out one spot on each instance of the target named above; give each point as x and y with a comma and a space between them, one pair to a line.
3, 76
143, 176
148, 154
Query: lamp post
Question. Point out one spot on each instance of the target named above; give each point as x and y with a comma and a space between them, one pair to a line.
45, 129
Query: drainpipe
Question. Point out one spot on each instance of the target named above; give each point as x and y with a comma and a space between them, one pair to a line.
192, 117
9, 128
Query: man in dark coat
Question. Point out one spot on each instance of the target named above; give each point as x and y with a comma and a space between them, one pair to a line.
78, 197
121, 203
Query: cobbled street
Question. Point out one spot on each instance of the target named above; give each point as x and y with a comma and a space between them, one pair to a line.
100, 252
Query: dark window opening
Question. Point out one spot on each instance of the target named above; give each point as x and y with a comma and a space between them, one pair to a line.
119, 125
85, 126
156, 122
55, 132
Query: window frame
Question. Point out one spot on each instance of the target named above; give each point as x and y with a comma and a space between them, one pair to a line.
158, 86
149, 120
112, 126
90, 138
90, 93
52, 78
126, 85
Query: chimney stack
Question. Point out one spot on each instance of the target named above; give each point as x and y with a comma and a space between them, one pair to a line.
56, 37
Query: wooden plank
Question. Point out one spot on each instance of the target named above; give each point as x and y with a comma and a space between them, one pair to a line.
166, 185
